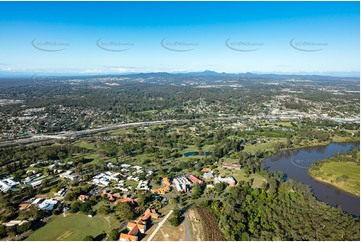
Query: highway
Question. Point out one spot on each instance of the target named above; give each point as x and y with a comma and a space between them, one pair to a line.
73, 134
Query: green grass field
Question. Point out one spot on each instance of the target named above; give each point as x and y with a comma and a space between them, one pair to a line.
74, 227
284, 124
332, 173
258, 180
262, 146
86, 145
120, 131
191, 148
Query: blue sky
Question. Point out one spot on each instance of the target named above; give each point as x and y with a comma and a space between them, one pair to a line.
121, 37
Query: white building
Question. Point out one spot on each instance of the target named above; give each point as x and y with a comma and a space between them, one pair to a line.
143, 185
61, 192
48, 204
68, 175
104, 179
230, 180
181, 183
8, 183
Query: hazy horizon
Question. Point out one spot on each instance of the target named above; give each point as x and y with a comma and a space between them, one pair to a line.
60, 74
133, 37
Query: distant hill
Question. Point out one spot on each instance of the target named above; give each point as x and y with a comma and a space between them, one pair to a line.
206, 73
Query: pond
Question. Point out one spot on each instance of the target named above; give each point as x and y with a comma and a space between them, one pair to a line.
191, 153
295, 163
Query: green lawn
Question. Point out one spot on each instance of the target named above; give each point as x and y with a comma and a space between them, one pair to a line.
333, 172
143, 157
86, 145
240, 175
262, 146
284, 124
345, 139
191, 148
120, 131
74, 227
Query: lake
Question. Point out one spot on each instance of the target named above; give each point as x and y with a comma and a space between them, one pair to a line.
295, 163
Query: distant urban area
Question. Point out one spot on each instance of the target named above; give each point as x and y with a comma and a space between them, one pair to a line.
160, 156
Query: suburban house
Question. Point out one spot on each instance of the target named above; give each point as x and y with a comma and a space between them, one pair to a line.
143, 185
68, 175
126, 200
24, 205
112, 197
166, 181
136, 226
161, 190
165, 189
195, 179
230, 180
45, 204
83, 198
61, 193
150, 213
139, 225
206, 169
208, 175
8, 183
127, 237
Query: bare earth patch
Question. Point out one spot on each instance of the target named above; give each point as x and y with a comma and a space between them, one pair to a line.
195, 221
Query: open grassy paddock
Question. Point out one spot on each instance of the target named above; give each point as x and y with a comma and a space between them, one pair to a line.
258, 180
343, 175
74, 227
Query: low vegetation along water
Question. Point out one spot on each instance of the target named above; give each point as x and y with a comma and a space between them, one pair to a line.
295, 163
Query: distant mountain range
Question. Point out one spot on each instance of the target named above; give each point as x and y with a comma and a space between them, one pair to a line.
329, 75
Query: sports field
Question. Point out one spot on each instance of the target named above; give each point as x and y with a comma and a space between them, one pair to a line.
74, 227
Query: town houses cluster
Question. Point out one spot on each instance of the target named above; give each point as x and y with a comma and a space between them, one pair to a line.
118, 184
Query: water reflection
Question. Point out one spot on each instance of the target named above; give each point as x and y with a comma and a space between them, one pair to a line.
295, 164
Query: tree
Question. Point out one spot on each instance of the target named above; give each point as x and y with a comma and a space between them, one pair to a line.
24, 227
244, 236
177, 213
104, 210
70, 196
124, 211
196, 191
113, 235
75, 207
86, 208
62, 155
110, 149
142, 200
172, 201
219, 187
174, 221
2, 231
88, 238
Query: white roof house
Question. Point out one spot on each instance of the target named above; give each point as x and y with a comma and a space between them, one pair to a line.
68, 175
229, 180
7, 183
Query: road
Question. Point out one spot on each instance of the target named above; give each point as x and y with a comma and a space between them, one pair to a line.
73, 134
187, 228
188, 234
160, 224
